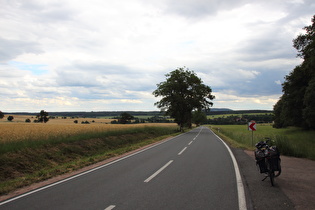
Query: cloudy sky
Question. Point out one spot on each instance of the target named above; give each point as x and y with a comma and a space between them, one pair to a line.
108, 55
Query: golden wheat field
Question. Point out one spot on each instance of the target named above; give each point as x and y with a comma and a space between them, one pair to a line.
18, 130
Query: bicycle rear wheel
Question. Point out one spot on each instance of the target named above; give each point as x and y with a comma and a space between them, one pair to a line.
271, 175
279, 168
271, 172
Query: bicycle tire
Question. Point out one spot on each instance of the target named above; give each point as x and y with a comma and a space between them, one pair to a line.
271, 172
279, 167
272, 177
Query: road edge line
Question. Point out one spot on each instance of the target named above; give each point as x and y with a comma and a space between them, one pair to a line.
239, 182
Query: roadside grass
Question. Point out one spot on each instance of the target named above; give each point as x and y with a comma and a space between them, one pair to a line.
290, 141
43, 159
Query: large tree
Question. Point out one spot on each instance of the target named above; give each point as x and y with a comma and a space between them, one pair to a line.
296, 107
43, 116
182, 93
125, 118
199, 117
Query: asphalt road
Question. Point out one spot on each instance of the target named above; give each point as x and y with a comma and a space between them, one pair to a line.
191, 171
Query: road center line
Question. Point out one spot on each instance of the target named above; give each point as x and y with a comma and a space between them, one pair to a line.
190, 143
158, 171
198, 133
182, 151
110, 207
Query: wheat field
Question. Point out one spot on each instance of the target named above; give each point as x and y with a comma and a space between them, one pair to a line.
18, 130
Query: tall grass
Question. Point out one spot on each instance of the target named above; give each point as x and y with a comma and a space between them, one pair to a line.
291, 141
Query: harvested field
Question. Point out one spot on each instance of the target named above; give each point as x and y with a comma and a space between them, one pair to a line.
18, 130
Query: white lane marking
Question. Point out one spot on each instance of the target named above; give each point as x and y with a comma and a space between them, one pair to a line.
198, 133
158, 171
110, 207
182, 151
190, 143
239, 183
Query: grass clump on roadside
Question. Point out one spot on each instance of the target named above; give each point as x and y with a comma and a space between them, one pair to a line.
32, 162
291, 141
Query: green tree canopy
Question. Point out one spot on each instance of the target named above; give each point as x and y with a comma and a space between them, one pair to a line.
199, 117
10, 118
43, 116
125, 118
1, 115
296, 106
181, 93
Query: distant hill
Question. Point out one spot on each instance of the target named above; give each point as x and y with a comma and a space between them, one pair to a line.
220, 110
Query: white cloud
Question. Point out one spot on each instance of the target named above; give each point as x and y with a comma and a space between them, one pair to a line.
104, 55
233, 101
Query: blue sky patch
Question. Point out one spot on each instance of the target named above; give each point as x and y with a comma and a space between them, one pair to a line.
36, 69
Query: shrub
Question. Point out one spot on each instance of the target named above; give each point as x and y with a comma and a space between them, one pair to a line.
10, 118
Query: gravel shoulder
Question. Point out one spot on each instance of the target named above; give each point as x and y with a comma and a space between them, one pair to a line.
297, 180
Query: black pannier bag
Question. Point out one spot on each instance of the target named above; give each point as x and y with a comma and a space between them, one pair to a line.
262, 165
274, 158
260, 160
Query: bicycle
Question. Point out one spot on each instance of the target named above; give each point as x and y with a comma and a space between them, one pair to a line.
268, 160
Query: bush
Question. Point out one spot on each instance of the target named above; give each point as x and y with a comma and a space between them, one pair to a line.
10, 118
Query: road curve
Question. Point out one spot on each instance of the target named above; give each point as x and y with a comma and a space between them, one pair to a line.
194, 170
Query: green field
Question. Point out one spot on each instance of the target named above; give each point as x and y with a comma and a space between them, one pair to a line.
213, 116
291, 141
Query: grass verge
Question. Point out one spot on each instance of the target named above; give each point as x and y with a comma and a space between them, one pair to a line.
291, 141
33, 163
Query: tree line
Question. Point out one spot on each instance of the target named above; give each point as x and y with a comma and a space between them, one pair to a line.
296, 107
241, 120
42, 117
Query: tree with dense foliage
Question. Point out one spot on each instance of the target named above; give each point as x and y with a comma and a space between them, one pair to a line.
182, 93
10, 118
43, 116
199, 117
125, 118
296, 106
1, 115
